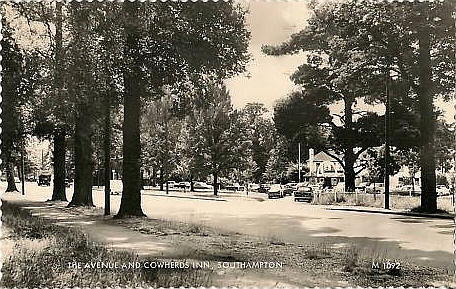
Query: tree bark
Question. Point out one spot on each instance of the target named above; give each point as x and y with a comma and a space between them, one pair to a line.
58, 192
82, 195
427, 124
215, 184
192, 187
10, 177
131, 196
349, 156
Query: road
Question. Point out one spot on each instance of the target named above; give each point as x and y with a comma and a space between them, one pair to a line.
424, 241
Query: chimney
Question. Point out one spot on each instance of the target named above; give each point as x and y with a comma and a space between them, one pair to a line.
311, 162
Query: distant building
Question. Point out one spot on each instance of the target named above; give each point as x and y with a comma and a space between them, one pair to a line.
323, 169
326, 170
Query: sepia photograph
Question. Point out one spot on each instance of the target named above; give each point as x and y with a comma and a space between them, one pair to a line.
238, 143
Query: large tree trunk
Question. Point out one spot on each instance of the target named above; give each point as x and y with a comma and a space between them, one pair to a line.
349, 156
215, 184
83, 162
107, 154
427, 124
349, 160
10, 177
131, 196
58, 192
192, 187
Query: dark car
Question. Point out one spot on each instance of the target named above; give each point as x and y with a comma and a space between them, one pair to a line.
303, 193
264, 188
289, 188
275, 192
44, 180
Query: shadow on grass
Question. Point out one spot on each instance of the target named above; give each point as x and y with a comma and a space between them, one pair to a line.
44, 251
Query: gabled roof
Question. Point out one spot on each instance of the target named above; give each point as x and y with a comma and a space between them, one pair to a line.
322, 157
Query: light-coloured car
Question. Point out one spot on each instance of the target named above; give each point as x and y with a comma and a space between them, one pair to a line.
275, 191
253, 187
201, 186
408, 190
183, 185
303, 193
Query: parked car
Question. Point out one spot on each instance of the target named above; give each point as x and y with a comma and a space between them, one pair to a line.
275, 192
264, 188
442, 190
183, 185
303, 193
201, 186
253, 187
234, 187
171, 184
44, 180
408, 190
289, 188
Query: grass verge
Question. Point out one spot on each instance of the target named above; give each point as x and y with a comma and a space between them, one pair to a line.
36, 253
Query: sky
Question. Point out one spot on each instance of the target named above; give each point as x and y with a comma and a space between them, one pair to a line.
268, 77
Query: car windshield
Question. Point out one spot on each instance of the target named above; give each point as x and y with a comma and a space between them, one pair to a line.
275, 187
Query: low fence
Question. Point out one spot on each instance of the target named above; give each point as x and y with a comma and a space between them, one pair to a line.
400, 202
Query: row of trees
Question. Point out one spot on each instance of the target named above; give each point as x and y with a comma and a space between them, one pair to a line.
399, 54
94, 59
143, 83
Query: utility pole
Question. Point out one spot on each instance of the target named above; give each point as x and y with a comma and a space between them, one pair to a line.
22, 170
387, 142
299, 162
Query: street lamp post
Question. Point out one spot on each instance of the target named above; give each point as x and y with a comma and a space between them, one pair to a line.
392, 75
299, 162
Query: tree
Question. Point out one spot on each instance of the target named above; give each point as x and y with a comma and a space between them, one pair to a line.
45, 62
217, 143
336, 71
12, 92
161, 130
278, 163
314, 127
418, 43
261, 133
178, 38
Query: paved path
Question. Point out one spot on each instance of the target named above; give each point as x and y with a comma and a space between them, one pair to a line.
426, 241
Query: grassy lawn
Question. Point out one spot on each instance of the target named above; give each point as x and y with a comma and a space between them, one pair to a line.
36, 253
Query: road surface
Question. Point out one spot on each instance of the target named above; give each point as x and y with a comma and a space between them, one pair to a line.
424, 241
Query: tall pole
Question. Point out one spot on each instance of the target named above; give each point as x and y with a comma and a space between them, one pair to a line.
22, 171
107, 155
299, 162
387, 142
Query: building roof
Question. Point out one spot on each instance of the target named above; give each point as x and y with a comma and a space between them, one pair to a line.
322, 157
